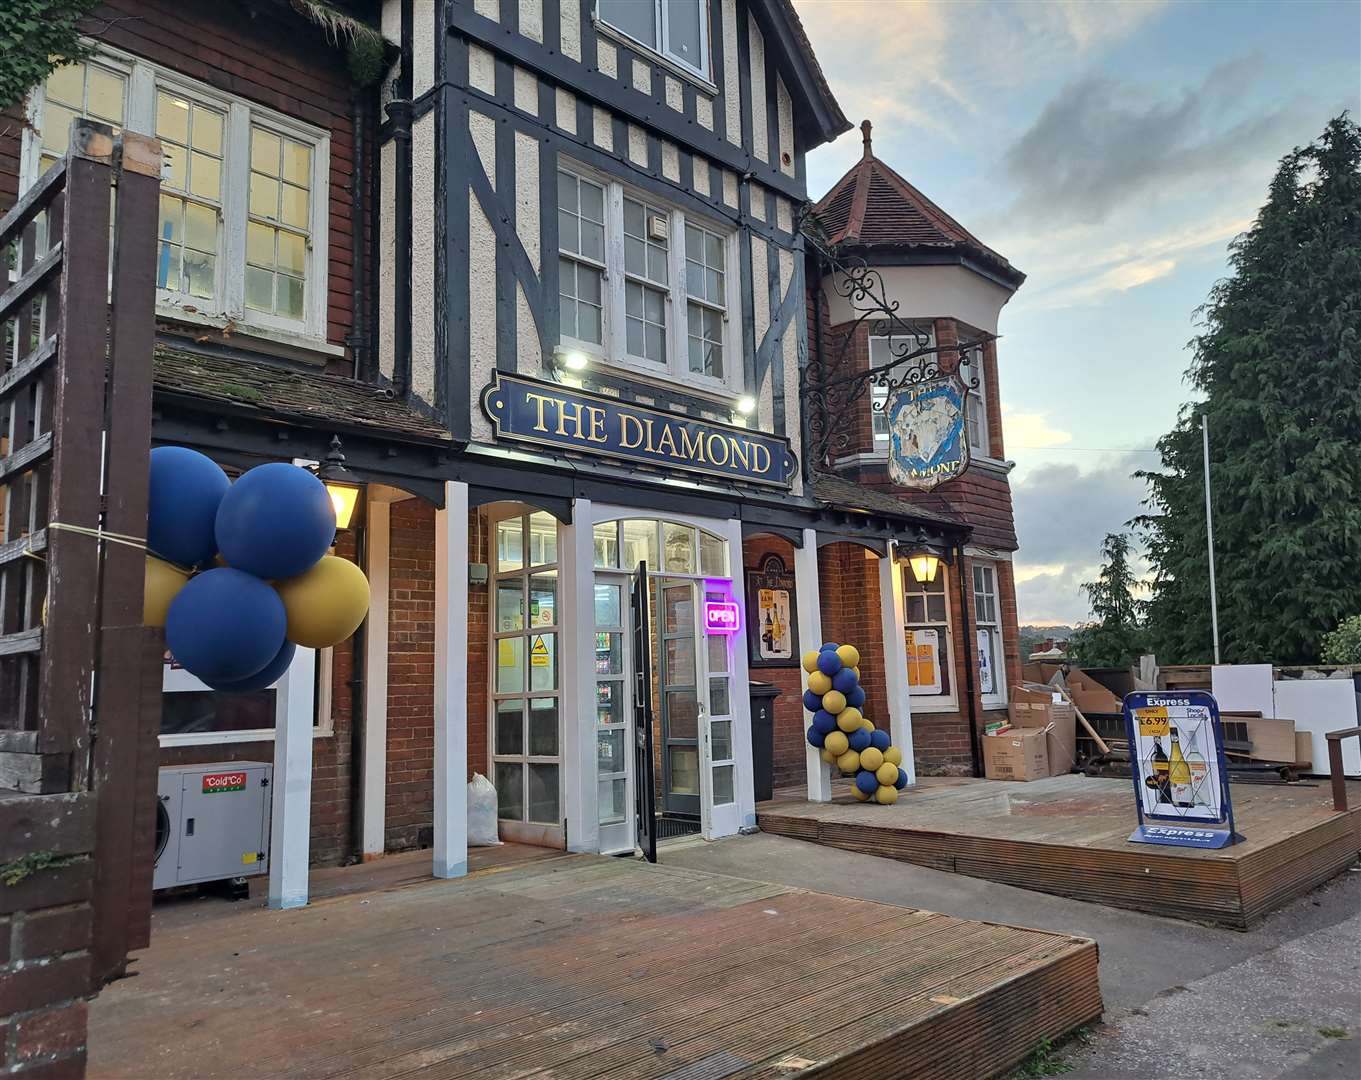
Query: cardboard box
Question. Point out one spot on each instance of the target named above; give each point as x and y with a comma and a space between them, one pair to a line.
1087, 694
1017, 755
1038, 709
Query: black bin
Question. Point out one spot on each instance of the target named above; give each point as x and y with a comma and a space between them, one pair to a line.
763, 697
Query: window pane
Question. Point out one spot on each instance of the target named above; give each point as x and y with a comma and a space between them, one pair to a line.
509, 554
510, 728
654, 347
609, 658
297, 163
588, 285
684, 770
606, 536
679, 548
105, 100
718, 653
609, 752
510, 790
683, 31
259, 289
290, 298
543, 662
713, 251
612, 796
569, 231
510, 665
718, 705
260, 245
56, 128
264, 196
713, 555
294, 206
607, 610
207, 134
510, 605
640, 544
543, 597
174, 166
264, 151
543, 727
609, 702
172, 118
543, 794
589, 324
682, 714
634, 17
593, 241
592, 202
567, 192
199, 272
200, 227
723, 783
167, 267
292, 253
543, 538
170, 223
205, 176
67, 85
634, 216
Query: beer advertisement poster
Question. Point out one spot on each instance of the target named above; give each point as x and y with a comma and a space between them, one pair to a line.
1177, 760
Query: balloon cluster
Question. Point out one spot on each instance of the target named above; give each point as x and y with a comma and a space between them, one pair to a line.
238, 573
846, 738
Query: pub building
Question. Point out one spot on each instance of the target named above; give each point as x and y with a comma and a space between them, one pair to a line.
536, 303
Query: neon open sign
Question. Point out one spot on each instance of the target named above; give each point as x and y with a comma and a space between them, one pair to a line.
721, 617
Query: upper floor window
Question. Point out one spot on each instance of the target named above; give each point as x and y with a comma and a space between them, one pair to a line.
675, 29
975, 410
642, 285
242, 223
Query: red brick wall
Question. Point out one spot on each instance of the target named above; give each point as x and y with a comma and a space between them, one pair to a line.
848, 589
264, 53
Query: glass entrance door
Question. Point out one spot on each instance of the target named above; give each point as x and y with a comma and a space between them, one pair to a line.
679, 681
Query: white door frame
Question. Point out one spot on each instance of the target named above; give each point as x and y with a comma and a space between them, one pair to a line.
450, 853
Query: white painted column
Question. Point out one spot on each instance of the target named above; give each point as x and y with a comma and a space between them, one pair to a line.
739, 684
895, 658
290, 831
451, 683
810, 637
374, 775
576, 643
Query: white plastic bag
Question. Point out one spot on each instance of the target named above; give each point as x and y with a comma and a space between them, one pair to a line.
481, 812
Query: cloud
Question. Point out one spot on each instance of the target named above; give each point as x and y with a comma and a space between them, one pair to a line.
1101, 144
1063, 512
1031, 429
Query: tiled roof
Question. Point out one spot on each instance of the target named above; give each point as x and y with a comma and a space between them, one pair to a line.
872, 206
288, 393
839, 492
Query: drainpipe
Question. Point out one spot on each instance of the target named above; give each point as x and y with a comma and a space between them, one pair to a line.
975, 750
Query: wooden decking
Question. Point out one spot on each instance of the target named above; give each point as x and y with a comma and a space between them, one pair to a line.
1068, 835
582, 966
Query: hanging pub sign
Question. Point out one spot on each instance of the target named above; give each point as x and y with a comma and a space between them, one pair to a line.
1181, 782
771, 631
530, 410
927, 441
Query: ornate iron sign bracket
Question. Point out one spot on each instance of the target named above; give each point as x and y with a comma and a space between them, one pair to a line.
831, 388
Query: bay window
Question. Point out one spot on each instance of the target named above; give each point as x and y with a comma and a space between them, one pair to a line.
643, 285
242, 225
676, 30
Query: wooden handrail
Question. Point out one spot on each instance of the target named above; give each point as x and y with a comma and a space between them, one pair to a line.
1338, 778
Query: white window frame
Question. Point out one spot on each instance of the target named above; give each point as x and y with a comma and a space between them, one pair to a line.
998, 697
942, 702
976, 405
228, 305
662, 35
612, 353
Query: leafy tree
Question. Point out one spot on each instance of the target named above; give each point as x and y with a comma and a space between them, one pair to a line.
36, 37
1116, 637
1278, 361
1343, 645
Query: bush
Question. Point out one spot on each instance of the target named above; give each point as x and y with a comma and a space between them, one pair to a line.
1343, 645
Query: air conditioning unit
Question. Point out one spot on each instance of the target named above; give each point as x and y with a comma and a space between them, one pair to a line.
212, 822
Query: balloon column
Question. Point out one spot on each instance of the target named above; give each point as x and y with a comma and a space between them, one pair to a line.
845, 736
238, 574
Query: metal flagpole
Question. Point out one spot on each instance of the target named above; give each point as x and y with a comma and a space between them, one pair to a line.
1210, 535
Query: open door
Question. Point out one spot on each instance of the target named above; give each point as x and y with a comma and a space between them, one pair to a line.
644, 783
681, 672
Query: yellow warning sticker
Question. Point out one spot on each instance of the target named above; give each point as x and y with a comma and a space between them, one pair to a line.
248, 857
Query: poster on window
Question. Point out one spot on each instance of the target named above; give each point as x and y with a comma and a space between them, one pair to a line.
772, 634
986, 682
923, 662
1180, 776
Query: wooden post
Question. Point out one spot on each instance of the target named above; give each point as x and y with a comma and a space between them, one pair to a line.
290, 832
895, 658
451, 683
810, 637
374, 784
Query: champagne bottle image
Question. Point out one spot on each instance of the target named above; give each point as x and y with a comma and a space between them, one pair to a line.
1160, 770
1179, 774
1199, 772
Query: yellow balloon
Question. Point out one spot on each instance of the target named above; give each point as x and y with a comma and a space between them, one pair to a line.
871, 759
862, 796
837, 743
866, 723
849, 762
857, 672
819, 683
834, 701
886, 774
326, 604
828, 756
893, 756
846, 722
886, 795
163, 582
854, 714
810, 662
850, 655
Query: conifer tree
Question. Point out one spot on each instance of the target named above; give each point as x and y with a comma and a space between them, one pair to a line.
1116, 637
1278, 362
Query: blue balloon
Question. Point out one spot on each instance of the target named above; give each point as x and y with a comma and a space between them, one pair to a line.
856, 698
844, 680
263, 679
815, 737
811, 701
866, 781
824, 721
859, 739
901, 782
225, 626
185, 493
829, 646
276, 521
829, 663
880, 739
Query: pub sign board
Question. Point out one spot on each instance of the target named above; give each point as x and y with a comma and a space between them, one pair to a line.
530, 410
1176, 746
927, 440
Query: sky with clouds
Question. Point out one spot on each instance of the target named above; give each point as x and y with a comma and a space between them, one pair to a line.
1111, 150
